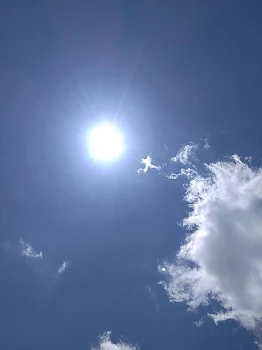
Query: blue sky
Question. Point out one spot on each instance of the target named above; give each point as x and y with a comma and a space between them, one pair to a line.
82, 243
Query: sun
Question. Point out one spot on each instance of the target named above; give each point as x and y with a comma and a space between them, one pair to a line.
106, 143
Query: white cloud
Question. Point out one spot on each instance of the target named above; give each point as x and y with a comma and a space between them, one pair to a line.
61, 269
200, 323
206, 145
221, 258
28, 251
46, 270
148, 165
105, 343
189, 173
185, 154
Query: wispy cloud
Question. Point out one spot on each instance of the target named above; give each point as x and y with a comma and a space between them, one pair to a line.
46, 269
61, 269
186, 154
28, 251
221, 258
206, 145
105, 343
200, 323
153, 297
188, 173
148, 165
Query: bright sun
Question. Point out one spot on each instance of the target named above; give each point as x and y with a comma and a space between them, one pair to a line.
106, 142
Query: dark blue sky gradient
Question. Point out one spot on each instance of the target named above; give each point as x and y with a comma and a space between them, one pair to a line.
167, 73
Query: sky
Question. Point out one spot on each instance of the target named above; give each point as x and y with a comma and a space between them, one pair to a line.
160, 248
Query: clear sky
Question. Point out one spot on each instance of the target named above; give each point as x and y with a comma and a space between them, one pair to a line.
84, 243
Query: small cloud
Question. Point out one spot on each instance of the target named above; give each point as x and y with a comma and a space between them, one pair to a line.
62, 267
148, 165
173, 176
153, 297
46, 270
105, 343
185, 154
189, 173
200, 323
206, 145
28, 251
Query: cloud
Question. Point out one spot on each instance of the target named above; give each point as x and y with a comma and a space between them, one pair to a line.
220, 262
62, 267
153, 297
206, 145
185, 154
148, 165
45, 269
105, 343
28, 251
200, 323
188, 173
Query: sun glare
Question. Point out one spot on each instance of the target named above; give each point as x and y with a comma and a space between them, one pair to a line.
106, 143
